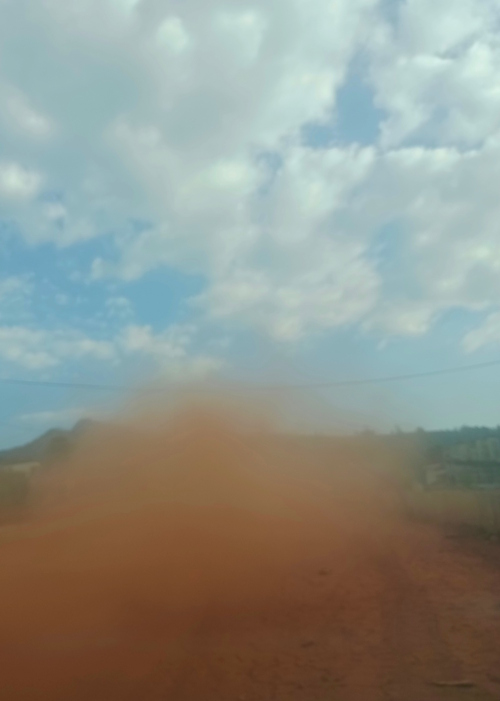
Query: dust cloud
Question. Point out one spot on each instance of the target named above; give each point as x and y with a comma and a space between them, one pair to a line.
190, 507
167, 520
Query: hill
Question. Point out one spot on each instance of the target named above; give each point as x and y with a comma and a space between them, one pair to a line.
51, 444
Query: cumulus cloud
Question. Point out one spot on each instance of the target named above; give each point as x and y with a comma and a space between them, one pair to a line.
170, 353
17, 182
36, 349
487, 334
447, 210
206, 92
190, 117
119, 308
434, 72
21, 117
333, 290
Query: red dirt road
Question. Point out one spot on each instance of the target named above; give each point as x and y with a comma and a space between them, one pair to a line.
222, 583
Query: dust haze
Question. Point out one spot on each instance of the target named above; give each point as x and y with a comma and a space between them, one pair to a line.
174, 530
203, 502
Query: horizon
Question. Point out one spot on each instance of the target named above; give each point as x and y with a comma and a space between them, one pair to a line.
396, 430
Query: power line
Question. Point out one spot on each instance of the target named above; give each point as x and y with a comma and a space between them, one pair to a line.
388, 378
265, 388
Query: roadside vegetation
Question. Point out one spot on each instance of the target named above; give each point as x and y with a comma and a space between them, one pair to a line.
14, 488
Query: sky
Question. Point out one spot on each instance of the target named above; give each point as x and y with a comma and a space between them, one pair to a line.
261, 191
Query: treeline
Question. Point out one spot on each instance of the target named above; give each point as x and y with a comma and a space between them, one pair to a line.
466, 435
435, 445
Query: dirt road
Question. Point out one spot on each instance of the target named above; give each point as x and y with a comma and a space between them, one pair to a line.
105, 602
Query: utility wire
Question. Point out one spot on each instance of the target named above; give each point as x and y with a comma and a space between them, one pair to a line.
388, 378
265, 388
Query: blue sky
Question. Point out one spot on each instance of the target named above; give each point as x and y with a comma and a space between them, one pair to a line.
268, 192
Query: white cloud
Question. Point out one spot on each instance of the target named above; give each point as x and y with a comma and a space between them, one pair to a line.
181, 137
485, 335
36, 349
173, 35
55, 212
171, 351
336, 288
20, 116
403, 318
453, 215
119, 308
435, 72
17, 182
307, 276
171, 345
195, 126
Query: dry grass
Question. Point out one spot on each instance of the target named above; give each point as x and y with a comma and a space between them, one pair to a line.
476, 508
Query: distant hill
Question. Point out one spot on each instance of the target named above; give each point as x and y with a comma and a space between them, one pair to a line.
51, 444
